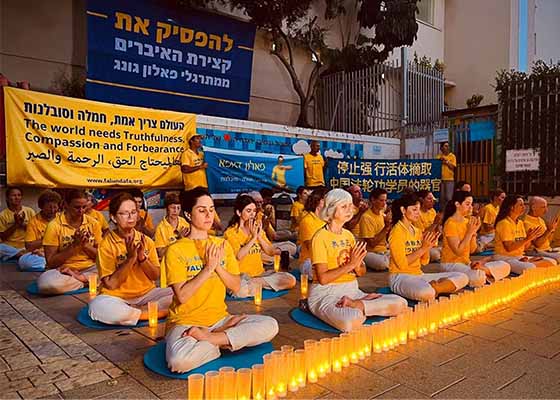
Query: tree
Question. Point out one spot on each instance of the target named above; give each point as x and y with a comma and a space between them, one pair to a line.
293, 23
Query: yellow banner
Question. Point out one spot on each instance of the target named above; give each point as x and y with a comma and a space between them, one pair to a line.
56, 141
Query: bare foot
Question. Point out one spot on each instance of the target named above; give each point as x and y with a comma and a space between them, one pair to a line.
203, 334
231, 322
371, 296
345, 301
197, 332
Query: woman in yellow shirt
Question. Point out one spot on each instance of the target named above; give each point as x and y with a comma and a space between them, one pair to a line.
429, 220
144, 222
334, 295
512, 240
459, 241
298, 207
172, 227
98, 216
70, 244
410, 250
248, 241
488, 215
309, 224
13, 223
200, 268
127, 265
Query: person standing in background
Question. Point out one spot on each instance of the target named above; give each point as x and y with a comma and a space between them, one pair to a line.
314, 166
193, 166
448, 165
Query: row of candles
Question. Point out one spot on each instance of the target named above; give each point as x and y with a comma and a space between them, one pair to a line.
288, 369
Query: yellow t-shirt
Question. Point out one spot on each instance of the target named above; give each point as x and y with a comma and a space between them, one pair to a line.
36, 228
251, 264
453, 228
447, 174
60, 234
369, 226
507, 230
148, 221
334, 250
279, 175
488, 216
166, 234
426, 219
313, 166
533, 222
309, 224
196, 178
17, 239
297, 213
403, 242
99, 217
112, 253
183, 261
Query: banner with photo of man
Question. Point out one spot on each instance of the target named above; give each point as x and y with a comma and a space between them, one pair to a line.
234, 171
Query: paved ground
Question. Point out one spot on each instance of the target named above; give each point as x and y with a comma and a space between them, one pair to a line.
512, 353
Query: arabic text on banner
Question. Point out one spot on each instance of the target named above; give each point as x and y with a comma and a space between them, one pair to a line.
55, 141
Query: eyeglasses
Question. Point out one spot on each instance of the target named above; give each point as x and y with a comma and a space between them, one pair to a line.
128, 214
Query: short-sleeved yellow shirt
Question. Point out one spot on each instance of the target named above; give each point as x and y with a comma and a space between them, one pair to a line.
488, 216
112, 253
426, 219
453, 228
166, 234
99, 217
183, 261
533, 222
279, 175
507, 230
196, 178
369, 226
334, 250
147, 217
296, 212
403, 242
36, 228
309, 224
313, 165
61, 235
17, 238
251, 264
447, 174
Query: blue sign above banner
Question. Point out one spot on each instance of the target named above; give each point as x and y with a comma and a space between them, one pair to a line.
392, 175
142, 54
234, 171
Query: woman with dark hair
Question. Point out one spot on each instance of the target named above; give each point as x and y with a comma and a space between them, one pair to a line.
309, 224
429, 219
488, 215
511, 240
13, 224
144, 222
248, 241
298, 207
128, 265
459, 242
334, 295
410, 250
173, 226
98, 216
199, 269
70, 244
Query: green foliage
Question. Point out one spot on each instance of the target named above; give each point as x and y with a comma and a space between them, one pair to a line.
70, 86
474, 100
540, 69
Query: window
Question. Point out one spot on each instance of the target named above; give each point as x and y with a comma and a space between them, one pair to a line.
426, 11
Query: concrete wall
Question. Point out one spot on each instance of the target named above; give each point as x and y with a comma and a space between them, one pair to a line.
547, 30
477, 43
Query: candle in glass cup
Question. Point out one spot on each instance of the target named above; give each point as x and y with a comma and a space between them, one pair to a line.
335, 355
227, 382
92, 282
270, 376
258, 381
152, 314
276, 262
311, 359
211, 385
195, 387
325, 348
258, 294
281, 385
243, 384
299, 361
304, 285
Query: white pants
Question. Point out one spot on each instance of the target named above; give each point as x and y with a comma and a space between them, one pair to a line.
53, 282
435, 254
323, 298
417, 287
485, 240
517, 266
547, 254
377, 261
27, 262
186, 353
477, 277
114, 310
272, 280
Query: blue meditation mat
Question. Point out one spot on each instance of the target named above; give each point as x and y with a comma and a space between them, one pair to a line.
266, 295
42, 269
154, 360
310, 321
11, 260
32, 288
84, 319
485, 253
296, 274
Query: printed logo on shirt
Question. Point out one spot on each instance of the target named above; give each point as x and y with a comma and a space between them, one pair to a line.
410, 246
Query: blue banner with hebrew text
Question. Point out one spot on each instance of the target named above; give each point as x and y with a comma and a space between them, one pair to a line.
392, 175
142, 53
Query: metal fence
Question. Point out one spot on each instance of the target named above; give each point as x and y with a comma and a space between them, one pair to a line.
529, 118
372, 101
